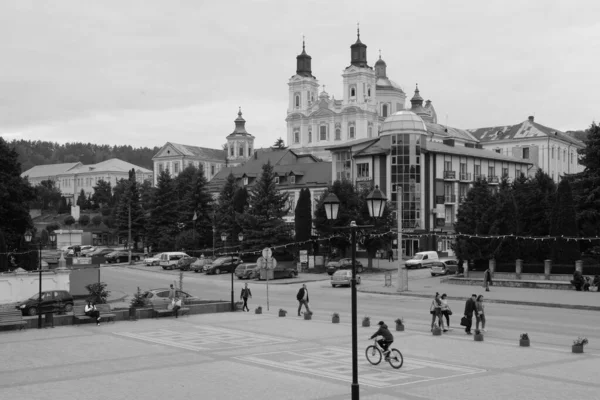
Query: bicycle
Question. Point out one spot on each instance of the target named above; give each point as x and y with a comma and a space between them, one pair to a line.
374, 355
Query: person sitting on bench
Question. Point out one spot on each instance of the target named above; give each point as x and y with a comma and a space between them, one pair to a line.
92, 312
177, 303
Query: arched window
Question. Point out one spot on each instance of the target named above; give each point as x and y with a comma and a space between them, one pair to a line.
369, 91
231, 150
249, 151
241, 150
338, 134
297, 101
296, 136
384, 110
370, 130
353, 92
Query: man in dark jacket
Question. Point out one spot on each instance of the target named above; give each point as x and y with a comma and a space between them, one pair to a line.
470, 308
302, 298
244, 296
387, 340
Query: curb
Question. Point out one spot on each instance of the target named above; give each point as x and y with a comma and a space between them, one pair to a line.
488, 300
272, 281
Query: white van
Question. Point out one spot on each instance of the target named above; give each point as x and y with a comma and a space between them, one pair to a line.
170, 260
423, 259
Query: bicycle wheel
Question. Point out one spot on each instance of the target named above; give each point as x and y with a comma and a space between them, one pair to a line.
396, 360
373, 355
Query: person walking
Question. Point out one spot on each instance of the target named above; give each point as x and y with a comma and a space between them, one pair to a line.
246, 293
91, 311
446, 311
436, 312
470, 308
172, 292
302, 298
480, 313
487, 279
390, 255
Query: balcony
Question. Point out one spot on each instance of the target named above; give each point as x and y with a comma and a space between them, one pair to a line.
465, 176
494, 180
450, 175
479, 177
450, 198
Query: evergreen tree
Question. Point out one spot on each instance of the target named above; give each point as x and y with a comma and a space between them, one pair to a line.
146, 193
48, 195
224, 217
162, 224
263, 224
279, 144
371, 239
564, 223
69, 220
82, 200
102, 196
129, 206
303, 217
502, 214
202, 207
15, 195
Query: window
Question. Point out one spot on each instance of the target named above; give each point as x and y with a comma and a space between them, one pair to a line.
249, 151
499, 151
309, 136
231, 151
362, 170
276, 180
505, 172
296, 136
212, 169
241, 150
323, 132
297, 101
292, 179
245, 180
176, 167
477, 171
338, 134
491, 172
558, 153
564, 155
342, 165
352, 92
384, 110
351, 132
370, 130
447, 165
369, 91
553, 152
526, 153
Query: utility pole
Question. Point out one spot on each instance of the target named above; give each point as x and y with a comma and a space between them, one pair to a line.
402, 284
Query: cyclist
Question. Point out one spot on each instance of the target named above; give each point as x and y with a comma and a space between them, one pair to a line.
387, 339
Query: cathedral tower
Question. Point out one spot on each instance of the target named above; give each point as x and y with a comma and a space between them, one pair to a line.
240, 144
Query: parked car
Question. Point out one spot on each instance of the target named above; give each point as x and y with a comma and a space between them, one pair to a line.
344, 263
153, 260
122, 256
85, 250
343, 277
100, 252
423, 259
246, 271
160, 297
185, 263
444, 266
52, 301
280, 272
222, 264
169, 260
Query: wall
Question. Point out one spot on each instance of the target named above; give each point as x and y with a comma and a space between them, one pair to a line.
20, 284
65, 237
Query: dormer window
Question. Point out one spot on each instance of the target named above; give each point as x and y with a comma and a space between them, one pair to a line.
245, 180
292, 179
276, 180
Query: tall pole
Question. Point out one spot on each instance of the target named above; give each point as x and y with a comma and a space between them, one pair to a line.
232, 301
402, 284
129, 237
355, 387
40, 289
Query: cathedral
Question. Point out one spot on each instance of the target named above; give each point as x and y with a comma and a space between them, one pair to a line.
317, 121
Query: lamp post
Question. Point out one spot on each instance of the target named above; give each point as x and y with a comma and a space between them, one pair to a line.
375, 202
241, 239
28, 238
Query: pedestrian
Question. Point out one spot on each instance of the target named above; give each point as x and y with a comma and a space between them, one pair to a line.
177, 304
91, 311
487, 279
470, 308
577, 280
172, 292
246, 293
390, 255
596, 283
436, 312
480, 313
302, 298
446, 311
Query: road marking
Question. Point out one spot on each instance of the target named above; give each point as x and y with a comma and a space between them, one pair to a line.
205, 338
335, 363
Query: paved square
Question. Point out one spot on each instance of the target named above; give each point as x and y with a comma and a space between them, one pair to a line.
203, 338
336, 363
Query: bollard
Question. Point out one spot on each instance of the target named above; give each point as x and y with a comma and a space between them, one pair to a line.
547, 269
492, 264
518, 268
579, 266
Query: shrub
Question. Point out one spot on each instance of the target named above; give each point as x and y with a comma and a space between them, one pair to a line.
138, 300
580, 341
96, 220
84, 220
524, 336
335, 315
399, 321
98, 292
367, 319
69, 220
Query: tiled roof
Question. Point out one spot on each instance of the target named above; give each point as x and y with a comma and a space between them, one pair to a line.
41, 171
436, 147
524, 130
440, 131
112, 165
350, 143
203, 152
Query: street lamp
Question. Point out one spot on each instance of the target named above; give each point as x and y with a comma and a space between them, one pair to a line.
28, 238
376, 202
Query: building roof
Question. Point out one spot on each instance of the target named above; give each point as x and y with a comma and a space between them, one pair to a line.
436, 147
350, 143
524, 130
386, 83
403, 120
450, 132
42, 171
195, 151
112, 165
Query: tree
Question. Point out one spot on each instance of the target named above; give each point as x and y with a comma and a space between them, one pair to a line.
47, 194
263, 223
564, 223
15, 195
69, 220
3, 254
96, 220
279, 144
84, 220
63, 208
129, 209
303, 217
102, 196
372, 239
82, 200
52, 227
224, 218
161, 226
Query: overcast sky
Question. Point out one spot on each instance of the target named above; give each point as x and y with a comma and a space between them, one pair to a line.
146, 72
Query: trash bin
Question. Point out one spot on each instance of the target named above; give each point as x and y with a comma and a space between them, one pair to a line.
49, 319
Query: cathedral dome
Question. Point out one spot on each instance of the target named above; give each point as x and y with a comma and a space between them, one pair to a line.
403, 121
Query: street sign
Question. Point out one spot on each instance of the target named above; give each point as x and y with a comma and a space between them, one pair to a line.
267, 252
268, 263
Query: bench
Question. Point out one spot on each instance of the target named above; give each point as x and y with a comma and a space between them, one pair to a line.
12, 317
104, 309
163, 310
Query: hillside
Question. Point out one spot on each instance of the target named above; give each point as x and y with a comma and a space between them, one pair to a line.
36, 152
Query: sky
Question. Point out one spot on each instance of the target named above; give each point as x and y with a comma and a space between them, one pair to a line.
146, 72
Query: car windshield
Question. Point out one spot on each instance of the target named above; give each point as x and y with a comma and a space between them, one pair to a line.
221, 260
339, 273
418, 257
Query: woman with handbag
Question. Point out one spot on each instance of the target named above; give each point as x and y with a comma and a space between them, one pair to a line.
446, 311
480, 313
436, 312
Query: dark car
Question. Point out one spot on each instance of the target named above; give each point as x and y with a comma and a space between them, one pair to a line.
222, 264
344, 263
52, 301
100, 252
122, 256
184, 263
